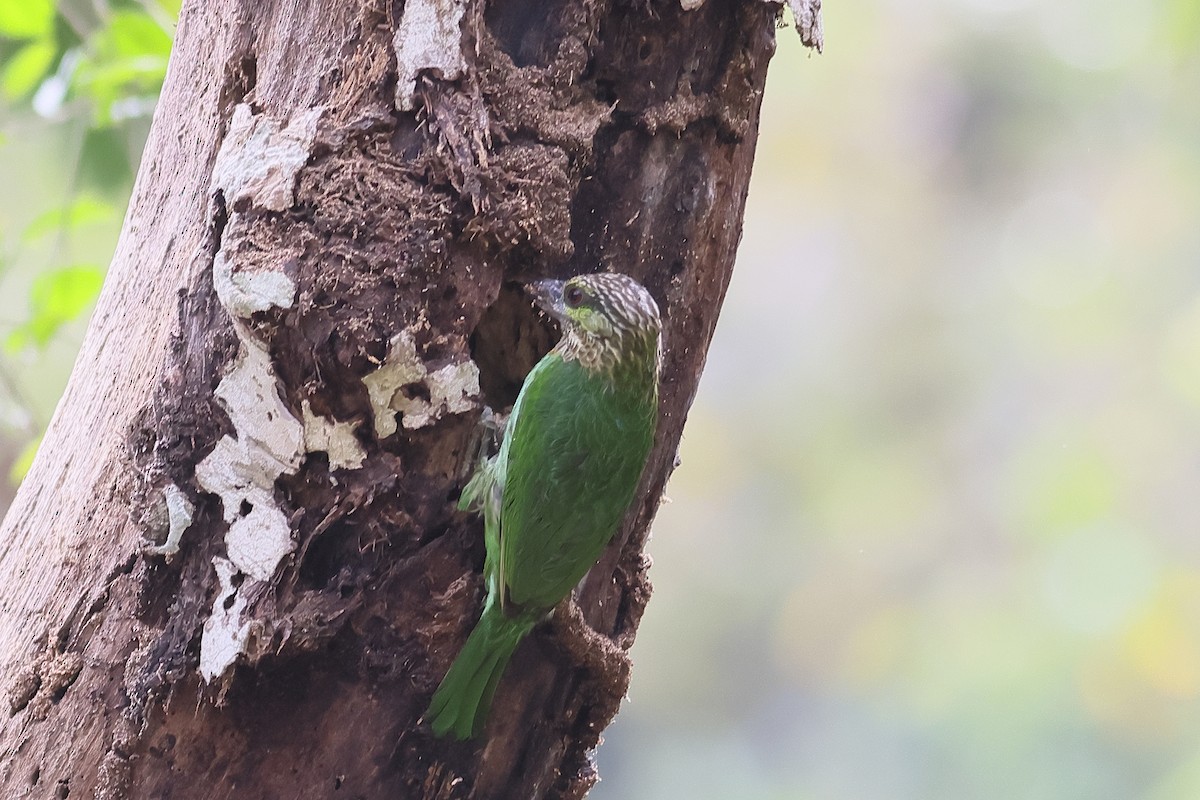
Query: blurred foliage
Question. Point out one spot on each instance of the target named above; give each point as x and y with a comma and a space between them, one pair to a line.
58, 297
934, 533
78, 82
24, 460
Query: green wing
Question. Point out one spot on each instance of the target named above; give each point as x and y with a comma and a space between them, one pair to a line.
482, 495
571, 459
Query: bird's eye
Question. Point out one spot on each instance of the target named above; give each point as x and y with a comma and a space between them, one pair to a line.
573, 296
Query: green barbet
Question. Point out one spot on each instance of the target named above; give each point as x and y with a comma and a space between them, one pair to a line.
571, 458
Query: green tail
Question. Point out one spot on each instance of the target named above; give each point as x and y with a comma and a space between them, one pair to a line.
460, 705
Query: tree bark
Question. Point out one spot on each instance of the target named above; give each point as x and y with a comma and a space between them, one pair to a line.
236, 568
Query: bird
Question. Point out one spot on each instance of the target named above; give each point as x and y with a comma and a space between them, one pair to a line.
570, 460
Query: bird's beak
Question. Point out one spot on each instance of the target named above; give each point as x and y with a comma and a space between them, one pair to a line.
548, 295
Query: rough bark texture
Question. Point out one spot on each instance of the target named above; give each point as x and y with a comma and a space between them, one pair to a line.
311, 303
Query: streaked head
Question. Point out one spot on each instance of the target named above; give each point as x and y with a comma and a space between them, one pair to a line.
604, 314
605, 305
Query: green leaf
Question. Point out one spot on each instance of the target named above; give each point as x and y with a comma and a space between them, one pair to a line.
22, 463
134, 34
26, 19
127, 58
25, 70
104, 160
171, 7
57, 298
83, 210
107, 82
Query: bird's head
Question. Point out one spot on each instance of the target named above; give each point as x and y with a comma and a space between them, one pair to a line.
605, 316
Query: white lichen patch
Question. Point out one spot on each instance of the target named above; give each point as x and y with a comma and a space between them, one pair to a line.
258, 163
429, 37
225, 635
690, 5
242, 471
259, 539
259, 158
247, 288
451, 389
179, 518
335, 439
401, 367
271, 437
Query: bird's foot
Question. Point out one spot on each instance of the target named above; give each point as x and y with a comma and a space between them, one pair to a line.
491, 431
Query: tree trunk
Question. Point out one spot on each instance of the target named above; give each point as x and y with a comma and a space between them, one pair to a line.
236, 568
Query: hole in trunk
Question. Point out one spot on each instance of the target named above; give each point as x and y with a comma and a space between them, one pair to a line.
508, 341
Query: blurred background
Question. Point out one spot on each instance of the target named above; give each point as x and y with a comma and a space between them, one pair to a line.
937, 529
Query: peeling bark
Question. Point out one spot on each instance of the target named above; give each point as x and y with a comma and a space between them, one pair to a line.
236, 569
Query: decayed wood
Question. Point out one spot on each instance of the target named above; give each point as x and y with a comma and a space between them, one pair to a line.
235, 569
